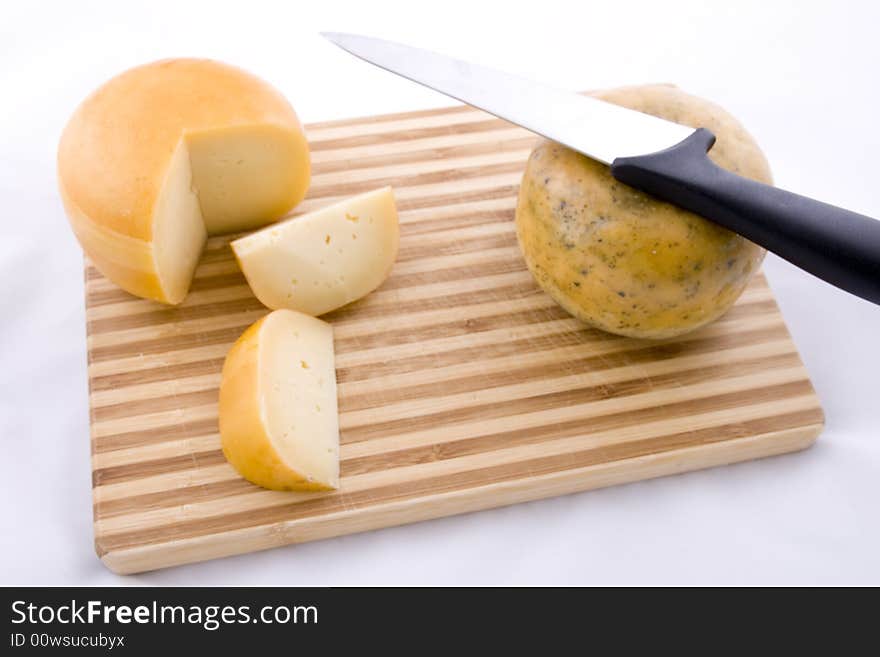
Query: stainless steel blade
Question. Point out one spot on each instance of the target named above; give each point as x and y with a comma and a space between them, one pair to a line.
597, 129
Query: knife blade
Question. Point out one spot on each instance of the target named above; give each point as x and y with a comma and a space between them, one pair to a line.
659, 157
593, 127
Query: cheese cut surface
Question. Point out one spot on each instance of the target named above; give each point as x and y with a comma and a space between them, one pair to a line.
166, 153
179, 229
278, 412
320, 261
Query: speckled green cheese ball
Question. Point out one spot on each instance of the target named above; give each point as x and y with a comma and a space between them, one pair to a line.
621, 260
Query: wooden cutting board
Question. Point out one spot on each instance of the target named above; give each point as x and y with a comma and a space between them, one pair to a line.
462, 386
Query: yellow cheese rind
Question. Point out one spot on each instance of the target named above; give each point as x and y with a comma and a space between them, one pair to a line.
278, 412
246, 154
326, 259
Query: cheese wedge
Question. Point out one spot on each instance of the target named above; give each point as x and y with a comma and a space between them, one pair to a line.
320, 261
167, 153
278, 417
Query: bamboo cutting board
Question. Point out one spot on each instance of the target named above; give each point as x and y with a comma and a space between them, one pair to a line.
462, 386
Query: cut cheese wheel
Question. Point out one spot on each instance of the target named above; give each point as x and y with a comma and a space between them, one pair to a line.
166, 153
320, 261
278, 417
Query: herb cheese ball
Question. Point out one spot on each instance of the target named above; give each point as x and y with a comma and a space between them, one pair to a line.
621, 260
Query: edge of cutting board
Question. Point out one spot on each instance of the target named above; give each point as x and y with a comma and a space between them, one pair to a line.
652, 466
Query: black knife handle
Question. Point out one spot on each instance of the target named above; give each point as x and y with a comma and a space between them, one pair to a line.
838, 246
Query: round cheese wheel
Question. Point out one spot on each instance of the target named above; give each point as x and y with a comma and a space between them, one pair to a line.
624, 261
164, 154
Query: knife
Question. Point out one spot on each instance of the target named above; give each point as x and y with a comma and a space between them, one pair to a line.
665, 159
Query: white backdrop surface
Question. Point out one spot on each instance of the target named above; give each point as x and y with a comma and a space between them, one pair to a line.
800, 75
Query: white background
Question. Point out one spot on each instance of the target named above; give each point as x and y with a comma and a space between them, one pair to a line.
801, 75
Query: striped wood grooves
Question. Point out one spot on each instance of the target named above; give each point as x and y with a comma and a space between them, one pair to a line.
461, 385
